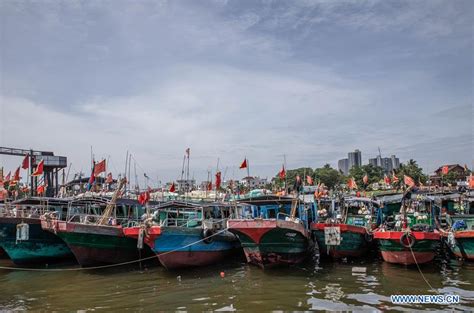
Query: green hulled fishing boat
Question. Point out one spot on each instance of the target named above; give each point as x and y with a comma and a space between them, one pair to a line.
409, 237
345, 229
94, 230
274, 230
460, 233
21, 236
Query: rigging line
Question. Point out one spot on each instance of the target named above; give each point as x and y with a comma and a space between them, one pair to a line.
144, 172
110, 265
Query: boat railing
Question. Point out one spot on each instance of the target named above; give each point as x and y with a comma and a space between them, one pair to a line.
93, 219
181, 222
23, 212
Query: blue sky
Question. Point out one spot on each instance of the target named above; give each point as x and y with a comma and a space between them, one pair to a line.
308, 79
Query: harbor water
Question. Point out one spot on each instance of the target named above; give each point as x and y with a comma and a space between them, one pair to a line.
362, 285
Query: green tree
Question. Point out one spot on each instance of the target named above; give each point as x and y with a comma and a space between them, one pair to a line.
412, 169
328, 176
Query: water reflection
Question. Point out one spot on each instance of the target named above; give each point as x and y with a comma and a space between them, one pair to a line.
364, 285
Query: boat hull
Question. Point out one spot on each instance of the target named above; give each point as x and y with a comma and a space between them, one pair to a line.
95, 245
354, 241
423, 251
181, 247
40, 248
464, 245
269, 243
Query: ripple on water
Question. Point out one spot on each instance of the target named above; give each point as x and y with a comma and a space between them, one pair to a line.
356, 286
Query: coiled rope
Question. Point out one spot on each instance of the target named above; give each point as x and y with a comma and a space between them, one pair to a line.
110, 265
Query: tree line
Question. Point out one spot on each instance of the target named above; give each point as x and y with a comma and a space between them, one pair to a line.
332, 177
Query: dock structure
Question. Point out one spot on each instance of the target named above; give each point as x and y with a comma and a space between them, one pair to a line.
52, 165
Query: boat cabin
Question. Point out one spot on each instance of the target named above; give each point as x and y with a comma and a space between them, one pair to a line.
275, 207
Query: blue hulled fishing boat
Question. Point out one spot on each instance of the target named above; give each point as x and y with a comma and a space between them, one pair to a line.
187, 234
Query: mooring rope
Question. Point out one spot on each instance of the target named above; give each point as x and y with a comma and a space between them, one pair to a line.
110, 265
419, 270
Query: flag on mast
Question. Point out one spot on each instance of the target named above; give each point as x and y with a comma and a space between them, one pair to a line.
395, 178
309, 180
408, 181
7, 178
173, 187
26, 162
218, 180
39, 169
282, 173
365, 179
244, 164
16, 177
99, 168
351, 183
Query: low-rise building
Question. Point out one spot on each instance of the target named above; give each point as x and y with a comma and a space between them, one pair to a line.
254, 182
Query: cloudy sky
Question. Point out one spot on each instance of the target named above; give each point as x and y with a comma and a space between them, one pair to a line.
311, 80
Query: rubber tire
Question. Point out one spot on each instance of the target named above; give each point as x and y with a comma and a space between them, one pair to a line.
206, 233
410, 239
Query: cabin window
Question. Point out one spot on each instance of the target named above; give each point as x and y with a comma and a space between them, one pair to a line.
271, 213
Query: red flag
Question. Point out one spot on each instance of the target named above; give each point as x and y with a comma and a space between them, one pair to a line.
144, 197
309, 180
387, 179
351, 183
99, 168
471, 181
244, 164
218, 180
39, 169
109, 179
16, 177
445, 170
7, 178
40, 190
26, 162
209, 186
408, 181
365, 179
282, 173
173, 187
395, 178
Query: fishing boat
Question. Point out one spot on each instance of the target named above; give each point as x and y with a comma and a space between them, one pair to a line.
459, 234
274, 230
186, 234
345, 230
409, 237
93, 229
21, 236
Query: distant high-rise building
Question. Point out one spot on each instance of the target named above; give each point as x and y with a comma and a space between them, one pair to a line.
395, 162
355, 158
343, 166
388, 164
